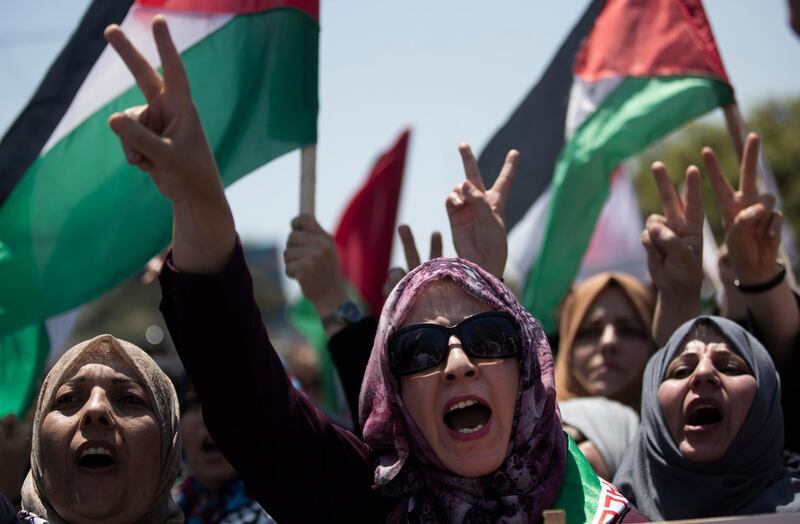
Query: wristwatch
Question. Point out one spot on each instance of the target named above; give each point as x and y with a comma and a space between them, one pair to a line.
347, 313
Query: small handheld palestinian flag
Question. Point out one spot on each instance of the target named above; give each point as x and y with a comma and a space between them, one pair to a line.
75, 218
629, 74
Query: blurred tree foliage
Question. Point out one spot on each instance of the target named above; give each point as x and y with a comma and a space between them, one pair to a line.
778, 122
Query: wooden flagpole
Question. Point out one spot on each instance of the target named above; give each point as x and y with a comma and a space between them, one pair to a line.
738, 133
308, 179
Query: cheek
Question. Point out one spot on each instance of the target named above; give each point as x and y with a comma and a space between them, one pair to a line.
418, 394
635, 354
670, 400
144, 440
509, 384
742, 391
582, 353
55, 438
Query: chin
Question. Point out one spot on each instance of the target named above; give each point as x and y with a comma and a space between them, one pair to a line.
703, 453
472, 467
93, 509
474, 459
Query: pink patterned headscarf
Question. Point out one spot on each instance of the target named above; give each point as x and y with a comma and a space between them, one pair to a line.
529, 479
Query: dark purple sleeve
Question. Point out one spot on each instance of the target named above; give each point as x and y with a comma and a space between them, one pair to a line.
297, 464
350, 349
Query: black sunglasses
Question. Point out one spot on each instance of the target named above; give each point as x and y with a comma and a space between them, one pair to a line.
418, 347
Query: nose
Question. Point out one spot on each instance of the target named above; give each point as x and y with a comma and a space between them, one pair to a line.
609, 338
458, 363
705, 372
97, 410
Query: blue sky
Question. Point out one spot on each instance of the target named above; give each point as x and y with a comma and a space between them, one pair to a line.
453, 71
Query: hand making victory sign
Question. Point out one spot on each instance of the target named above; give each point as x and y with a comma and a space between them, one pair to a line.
752, 227
674, 245
165, 138
753, 238
477, 214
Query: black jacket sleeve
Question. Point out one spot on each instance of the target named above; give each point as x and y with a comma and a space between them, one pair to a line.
297, 464
350, 349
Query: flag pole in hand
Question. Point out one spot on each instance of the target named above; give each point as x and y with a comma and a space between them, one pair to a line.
308, 178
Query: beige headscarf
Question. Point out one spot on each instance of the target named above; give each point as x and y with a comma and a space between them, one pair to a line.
165, 407
574, 309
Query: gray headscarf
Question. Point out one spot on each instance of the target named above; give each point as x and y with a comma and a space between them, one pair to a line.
748, 479
607, 424
165, 408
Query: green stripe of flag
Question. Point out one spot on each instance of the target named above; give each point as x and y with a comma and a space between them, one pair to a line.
638, 112
580, 488
22, 356
81, 220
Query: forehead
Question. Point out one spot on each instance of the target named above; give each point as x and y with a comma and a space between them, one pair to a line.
113, 369
611, 304
444, 302
699, 347
706, 338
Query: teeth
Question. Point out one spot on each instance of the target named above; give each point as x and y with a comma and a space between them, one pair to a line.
96, 451
461, 405
467, 431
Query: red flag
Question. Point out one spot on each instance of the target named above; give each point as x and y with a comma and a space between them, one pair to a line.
366, 229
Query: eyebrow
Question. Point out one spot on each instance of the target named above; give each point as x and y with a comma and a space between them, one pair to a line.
125, 381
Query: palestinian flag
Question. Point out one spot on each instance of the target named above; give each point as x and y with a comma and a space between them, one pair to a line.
364, 239
585, 498
630, 72
75, 218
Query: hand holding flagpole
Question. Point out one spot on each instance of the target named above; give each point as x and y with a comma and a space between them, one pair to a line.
165, 138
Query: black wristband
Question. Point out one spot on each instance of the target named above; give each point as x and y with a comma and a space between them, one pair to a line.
751, 289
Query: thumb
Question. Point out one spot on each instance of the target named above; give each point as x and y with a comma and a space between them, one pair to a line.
475, 198
307, 223
137, 137
663, 238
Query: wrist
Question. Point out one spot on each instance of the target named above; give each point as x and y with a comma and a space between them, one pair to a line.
755, 276
347, 313
328, 305
763, 285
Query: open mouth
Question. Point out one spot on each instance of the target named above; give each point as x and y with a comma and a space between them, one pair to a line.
96, 458
467, 416
704, 415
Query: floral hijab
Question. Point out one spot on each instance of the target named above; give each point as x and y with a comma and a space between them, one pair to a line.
529, 479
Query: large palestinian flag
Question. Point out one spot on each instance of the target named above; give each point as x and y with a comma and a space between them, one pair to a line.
75, 218
630, 72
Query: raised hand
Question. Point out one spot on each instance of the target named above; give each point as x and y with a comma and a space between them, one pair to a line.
311, 259
165, 138
752, 226
674, 245
412, 256
477, 215
753, 236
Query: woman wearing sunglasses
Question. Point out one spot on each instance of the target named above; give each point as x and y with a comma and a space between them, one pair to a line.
458, 409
